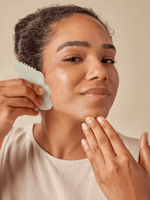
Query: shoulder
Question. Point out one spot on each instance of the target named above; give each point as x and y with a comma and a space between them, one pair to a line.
132, 145
17, 136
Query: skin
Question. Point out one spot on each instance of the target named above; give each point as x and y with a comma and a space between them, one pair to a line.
117, 173
18, 97
60, 131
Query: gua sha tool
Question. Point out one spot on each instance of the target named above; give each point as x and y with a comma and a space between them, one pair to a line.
36, 77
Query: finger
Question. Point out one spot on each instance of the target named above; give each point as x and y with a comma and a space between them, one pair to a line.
20, 102
25, 111
21, 91
144, 159
116, 142
86, 148
11, 82
19, 81
102, 139
12, 113
93, 145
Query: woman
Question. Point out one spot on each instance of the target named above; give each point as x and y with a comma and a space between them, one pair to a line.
75, 52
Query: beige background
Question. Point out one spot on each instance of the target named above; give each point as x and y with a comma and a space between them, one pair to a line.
130, 114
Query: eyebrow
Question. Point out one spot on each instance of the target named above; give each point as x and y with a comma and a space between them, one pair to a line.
84, 44
74, 43
108, 46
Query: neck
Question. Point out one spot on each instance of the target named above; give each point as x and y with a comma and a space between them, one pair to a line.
60, 135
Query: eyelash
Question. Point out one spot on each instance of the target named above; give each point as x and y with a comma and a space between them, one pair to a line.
72, 59
112, 61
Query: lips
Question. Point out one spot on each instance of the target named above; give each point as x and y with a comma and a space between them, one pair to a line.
97, 93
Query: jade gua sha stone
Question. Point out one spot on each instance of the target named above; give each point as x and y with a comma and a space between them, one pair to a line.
36, 77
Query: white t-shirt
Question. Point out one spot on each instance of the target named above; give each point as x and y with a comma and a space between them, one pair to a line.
27, 172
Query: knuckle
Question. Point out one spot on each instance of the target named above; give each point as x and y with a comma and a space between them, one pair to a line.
26, 100
94, 125
104, 177
104, 124
7, 112
20, 81
145, 148
102, 141
24, 89
95, 149
36, 88
113, 168
125, 160
113, 136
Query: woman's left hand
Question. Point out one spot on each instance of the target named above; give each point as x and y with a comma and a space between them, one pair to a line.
117, 173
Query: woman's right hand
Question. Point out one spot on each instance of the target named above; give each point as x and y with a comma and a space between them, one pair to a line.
17, 97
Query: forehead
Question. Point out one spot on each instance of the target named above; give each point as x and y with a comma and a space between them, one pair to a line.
80, 27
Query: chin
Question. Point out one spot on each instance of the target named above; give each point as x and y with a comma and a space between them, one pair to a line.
94, 114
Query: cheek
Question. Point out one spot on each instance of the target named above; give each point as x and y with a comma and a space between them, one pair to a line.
56, 79
117, 79
114, 80
61, 80
68, 78
61, 75
63, 84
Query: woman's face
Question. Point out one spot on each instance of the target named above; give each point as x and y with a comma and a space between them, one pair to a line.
80, 58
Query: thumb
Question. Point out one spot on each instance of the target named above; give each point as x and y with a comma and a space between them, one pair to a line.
144, 159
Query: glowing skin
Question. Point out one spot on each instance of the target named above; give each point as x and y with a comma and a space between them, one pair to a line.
70, 71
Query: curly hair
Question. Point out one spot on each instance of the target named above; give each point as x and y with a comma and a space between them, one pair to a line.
34, 32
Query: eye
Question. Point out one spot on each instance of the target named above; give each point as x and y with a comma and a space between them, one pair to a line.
72, 59
108, 61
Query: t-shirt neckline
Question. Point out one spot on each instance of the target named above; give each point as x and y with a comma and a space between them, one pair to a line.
49, 156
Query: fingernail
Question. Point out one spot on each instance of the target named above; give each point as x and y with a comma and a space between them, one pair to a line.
41, 90
89, 120
85, 127
100, 119
145, 138
146, 134
84, 143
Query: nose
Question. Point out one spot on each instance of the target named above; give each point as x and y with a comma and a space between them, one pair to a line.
97, 70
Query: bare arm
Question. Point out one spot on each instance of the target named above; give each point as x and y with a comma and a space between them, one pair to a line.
18, 97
